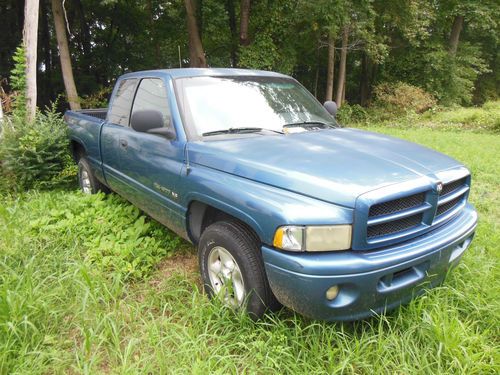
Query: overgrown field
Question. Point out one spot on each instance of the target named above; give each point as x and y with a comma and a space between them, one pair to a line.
90, 285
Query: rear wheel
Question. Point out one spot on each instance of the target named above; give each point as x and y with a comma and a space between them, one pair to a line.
86, 179
232, 268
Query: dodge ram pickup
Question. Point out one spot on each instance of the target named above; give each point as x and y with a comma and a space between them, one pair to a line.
284, 205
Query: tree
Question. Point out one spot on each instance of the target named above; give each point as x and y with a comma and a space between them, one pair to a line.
62, 43
458, 23
244, 20
331, 68
342, 67
30, 39
196, 53
231, 12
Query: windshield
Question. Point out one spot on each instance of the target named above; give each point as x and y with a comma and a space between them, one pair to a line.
249, 104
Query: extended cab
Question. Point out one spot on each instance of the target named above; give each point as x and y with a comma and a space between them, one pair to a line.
283, 203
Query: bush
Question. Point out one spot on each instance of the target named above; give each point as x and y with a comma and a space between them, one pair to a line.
401, 97
18, 83
35, 154
348, 114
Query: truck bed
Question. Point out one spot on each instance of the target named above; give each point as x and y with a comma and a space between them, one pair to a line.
99, 113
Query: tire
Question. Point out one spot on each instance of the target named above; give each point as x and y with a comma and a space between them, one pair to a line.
243, 285
89, 184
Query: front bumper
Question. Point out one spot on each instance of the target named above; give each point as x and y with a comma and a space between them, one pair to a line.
370, 282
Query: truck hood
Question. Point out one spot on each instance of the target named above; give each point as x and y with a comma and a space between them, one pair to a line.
335, 165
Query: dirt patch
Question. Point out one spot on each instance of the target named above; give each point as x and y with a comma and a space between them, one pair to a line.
184, 264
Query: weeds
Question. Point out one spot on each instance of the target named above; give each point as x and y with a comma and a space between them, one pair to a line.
69, 303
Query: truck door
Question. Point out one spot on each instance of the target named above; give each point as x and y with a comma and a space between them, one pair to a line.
149, 165
113, 129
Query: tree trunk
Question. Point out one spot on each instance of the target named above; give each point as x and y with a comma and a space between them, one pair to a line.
244, 19
62, 43
456, 29
316, 75
196, 53
1, 111
365, 80
198, 6
30, 39
84, 27
342, 66
330, 69
156, 45
47, 51
234, 32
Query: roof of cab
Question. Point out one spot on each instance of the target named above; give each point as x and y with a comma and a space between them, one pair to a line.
199, 72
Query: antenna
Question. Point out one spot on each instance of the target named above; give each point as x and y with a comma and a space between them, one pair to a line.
179, 50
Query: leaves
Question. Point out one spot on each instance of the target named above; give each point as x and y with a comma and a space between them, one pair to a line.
115, 236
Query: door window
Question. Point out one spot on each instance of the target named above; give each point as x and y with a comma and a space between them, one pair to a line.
120, 108
152, 95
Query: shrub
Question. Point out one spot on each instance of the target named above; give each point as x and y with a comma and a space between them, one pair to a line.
401, 97
35, 154
18, 83
348, 114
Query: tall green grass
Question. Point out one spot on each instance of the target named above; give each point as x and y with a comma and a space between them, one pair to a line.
69, 303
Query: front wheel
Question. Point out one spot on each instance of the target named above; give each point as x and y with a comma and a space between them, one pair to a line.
232, 268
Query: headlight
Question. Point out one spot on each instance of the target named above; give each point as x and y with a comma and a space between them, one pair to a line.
313, 238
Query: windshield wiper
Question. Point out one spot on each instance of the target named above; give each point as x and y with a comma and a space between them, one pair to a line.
307, 124
241, 130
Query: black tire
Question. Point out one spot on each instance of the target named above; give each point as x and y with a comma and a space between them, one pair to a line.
244, 247
93, 185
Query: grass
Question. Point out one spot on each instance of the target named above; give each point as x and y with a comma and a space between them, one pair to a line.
485, 119
71, 303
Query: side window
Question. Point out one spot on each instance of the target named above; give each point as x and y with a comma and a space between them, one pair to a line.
152, 94
120, 109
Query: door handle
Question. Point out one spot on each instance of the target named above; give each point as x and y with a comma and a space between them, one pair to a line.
123, 143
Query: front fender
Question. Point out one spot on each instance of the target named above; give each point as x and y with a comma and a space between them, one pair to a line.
264, 208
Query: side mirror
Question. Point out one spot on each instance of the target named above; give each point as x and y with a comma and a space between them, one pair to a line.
164, 132
331, 107
145, 120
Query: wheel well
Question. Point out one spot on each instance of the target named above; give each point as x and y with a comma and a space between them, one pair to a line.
77, 150
201, 215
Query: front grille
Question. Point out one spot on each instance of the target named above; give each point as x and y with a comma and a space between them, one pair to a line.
396, 205
448, 206
387, 222
394, 226
452, 186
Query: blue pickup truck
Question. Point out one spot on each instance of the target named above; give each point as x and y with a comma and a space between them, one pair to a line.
285, 206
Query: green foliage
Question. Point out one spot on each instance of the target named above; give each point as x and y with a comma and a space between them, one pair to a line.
486, 118
450, 78
98, 99
61, 311
35, 154
274, 45
18, 83
348, 114
116, 238
400, 97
